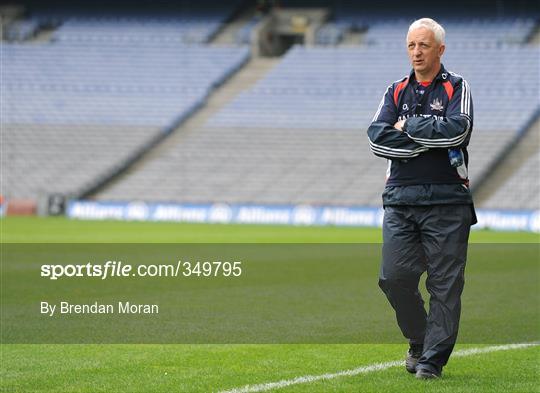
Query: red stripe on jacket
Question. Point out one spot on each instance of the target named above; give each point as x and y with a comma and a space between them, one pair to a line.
399, 87
449, 89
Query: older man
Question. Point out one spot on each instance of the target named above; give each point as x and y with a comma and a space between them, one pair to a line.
423, 126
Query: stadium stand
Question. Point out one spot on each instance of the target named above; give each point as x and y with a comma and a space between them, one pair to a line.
481, 23
109, 84
506, 170
73, 112
461, 32
180, 22
40, 159
183, 29
263, 166
522, 190
323, 87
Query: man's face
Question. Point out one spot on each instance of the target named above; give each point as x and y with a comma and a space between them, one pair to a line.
424, 51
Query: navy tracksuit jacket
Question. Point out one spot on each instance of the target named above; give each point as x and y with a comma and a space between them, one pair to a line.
439, 119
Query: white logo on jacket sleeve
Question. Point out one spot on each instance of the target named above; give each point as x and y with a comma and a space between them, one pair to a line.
436, 105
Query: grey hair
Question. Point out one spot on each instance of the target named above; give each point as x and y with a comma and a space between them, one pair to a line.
429, 24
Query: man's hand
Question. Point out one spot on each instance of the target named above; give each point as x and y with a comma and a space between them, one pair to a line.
399, 125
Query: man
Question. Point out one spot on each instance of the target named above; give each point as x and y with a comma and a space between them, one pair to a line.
423, 126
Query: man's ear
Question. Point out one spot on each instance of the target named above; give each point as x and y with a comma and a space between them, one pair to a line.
441, 50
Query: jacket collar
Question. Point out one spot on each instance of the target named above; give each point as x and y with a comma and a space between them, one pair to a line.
441, 75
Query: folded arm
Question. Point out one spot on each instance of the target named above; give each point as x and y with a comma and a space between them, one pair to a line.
387, 141
451, 131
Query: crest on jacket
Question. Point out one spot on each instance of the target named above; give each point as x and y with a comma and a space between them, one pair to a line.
436, 105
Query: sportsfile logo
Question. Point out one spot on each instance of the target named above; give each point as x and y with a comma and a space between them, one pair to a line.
120, 269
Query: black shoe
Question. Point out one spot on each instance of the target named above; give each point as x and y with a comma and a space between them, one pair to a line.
423, 373
414, 353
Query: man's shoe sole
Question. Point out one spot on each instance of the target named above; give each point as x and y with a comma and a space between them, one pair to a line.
426, 374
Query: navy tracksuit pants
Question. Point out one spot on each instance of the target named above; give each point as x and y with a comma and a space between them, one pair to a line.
433, 239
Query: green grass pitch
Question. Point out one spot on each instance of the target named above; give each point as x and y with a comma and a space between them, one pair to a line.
213, 367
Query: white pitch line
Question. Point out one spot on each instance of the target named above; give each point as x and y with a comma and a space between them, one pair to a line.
263, 387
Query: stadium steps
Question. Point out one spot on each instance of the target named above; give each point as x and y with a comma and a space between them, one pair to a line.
509, 167
250, 74
227, 36
246, 77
